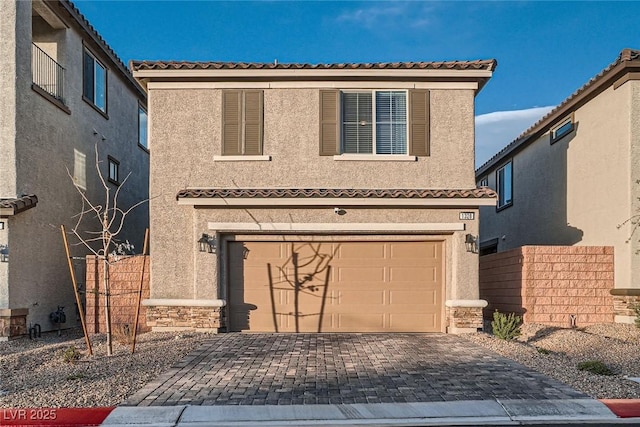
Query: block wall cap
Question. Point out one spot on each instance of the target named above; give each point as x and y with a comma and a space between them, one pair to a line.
468, 303
184, 302
626, 292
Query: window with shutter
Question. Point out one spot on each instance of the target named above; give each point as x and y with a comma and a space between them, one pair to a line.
379, 122
242, 122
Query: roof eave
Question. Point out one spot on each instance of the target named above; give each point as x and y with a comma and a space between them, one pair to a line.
568, 105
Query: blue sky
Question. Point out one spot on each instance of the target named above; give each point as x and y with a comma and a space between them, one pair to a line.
545, 50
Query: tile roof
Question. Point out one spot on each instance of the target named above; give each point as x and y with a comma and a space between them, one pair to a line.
84, 23
476, 193
14, 206
488, 64
625, 57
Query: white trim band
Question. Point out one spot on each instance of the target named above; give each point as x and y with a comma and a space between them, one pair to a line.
374, 158
336, 227
241, 158
184, 302
467, 303
342, 202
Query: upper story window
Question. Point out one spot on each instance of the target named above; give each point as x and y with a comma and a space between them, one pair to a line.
564, 128
142, 127
114, 170
242, 116
379, 116
484, 182
94, 88
378, 122
504, 181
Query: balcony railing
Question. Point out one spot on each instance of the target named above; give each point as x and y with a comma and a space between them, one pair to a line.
48, 75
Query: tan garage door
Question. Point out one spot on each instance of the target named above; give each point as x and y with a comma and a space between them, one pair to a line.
335, 286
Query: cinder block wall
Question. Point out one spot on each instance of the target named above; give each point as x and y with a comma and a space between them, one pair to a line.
124, 285
548, 284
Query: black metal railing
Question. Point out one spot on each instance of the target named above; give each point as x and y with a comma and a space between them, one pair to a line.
48, 75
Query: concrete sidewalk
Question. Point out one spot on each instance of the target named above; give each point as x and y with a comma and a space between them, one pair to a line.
472, 412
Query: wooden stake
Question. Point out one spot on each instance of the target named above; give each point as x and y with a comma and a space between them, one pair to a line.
144, 261
75, 289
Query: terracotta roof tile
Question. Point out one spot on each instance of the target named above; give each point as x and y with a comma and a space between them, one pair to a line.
476, 193
488, 64
17, 205
627, 55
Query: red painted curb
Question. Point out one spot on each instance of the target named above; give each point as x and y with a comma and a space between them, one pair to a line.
623, 408
71, 417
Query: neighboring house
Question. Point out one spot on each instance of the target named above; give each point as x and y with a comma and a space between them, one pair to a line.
63, 90
314, 198
573, 178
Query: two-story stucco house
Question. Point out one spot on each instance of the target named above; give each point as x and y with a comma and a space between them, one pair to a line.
63, 90
314, 198
573, 178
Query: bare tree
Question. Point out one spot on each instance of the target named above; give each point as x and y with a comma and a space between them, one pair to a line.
101, 237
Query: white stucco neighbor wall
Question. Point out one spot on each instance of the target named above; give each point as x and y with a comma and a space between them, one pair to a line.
45, 141
577, 190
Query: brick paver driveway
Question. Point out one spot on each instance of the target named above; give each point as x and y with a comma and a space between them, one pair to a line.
284, 369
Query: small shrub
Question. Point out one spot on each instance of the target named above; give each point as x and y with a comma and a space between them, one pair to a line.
636, 311
71, 355
542, 350
595, 367
78, 376
122, 334
506, 326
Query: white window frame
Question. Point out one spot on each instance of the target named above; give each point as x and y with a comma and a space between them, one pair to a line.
555, 136
502, 203
373, 122
144, 144
113, 178
96, 63
484, 182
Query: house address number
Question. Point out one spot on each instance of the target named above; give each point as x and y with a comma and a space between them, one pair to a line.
467, 216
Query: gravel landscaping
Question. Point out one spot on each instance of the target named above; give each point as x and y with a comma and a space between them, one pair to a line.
556, 352
33, 373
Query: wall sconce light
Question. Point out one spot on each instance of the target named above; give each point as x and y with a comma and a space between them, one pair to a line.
207, 243
471, 242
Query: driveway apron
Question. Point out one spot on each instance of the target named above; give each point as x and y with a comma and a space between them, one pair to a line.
293, 369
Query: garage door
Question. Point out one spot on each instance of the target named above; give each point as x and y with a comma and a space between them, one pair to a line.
335, 286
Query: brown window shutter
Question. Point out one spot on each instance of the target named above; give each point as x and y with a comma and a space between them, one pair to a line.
419, 123
253, 114
329, 122
231, 122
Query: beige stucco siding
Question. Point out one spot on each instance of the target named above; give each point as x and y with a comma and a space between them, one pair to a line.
191, 119
8, 70
45, 141
575, 191
185, 128
634, 87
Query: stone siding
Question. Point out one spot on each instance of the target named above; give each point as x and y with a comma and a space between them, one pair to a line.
177, 317
13, 323
550, 284
124, 278
464, 318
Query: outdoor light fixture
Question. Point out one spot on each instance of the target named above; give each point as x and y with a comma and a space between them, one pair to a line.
207, 243
471, 242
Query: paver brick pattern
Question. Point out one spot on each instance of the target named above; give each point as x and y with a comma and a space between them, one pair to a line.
292, 369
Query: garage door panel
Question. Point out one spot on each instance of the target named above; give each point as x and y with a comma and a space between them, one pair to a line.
372, 322
409, 274
361, 274
414, 250
356, 299
420, 297
360, 251
371, 286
